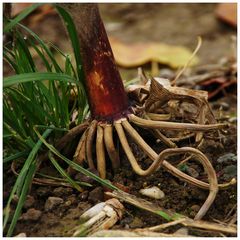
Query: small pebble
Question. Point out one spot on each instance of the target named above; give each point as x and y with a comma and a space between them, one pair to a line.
96, 195
182, 231
192, 172
32, 214
195, 208
83, 196
21, 235
153, 192
52, 202
227, 158
68, 203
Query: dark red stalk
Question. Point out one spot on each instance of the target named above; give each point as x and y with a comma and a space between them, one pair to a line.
105, 89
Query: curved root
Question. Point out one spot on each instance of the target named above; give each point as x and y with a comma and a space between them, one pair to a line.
159, 159
169, 167
109, 144
212, 178
72, 133
173, 125
161, 136
79, 155
130, 156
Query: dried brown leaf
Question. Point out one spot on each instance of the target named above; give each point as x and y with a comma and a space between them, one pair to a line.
137, 54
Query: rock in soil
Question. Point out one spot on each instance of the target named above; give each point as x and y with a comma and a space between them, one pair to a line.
62, 191
21, 235
29, 202
153, 192
83, 196
70, 200
194, 210
192, 172
96, 195
52, 202
182, 231
32, 214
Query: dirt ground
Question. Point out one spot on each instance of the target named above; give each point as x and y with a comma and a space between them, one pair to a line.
177, 24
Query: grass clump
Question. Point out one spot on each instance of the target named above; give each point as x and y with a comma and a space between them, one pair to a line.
38, 106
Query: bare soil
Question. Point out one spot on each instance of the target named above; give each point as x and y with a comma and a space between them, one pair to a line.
178, 24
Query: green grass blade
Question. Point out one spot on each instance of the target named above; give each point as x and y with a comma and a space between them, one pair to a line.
22, 175
63, 173
22, 198
21, 16
30, 77
74, 40
84, 184
44, 46
77, 167
15, 156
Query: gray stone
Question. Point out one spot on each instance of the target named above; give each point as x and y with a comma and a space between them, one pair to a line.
21, 235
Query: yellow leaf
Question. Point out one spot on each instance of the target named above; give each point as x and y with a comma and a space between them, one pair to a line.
137, 54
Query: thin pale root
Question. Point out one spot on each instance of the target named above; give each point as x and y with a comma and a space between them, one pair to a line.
111, 150
130, 155
173, 125
89, 143
101, 163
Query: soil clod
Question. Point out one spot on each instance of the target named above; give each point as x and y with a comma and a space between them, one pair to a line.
52, 202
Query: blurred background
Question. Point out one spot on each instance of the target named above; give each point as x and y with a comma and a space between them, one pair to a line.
158, 37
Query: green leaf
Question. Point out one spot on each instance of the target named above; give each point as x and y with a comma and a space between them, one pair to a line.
15, 156
21, 16
22, 198
31, 77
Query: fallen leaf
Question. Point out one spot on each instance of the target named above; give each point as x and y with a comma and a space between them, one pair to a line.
137, 54
227, 12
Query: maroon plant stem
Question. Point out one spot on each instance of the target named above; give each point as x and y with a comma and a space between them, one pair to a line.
105, 90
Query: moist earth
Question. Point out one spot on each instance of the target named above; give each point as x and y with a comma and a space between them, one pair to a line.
54, 211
